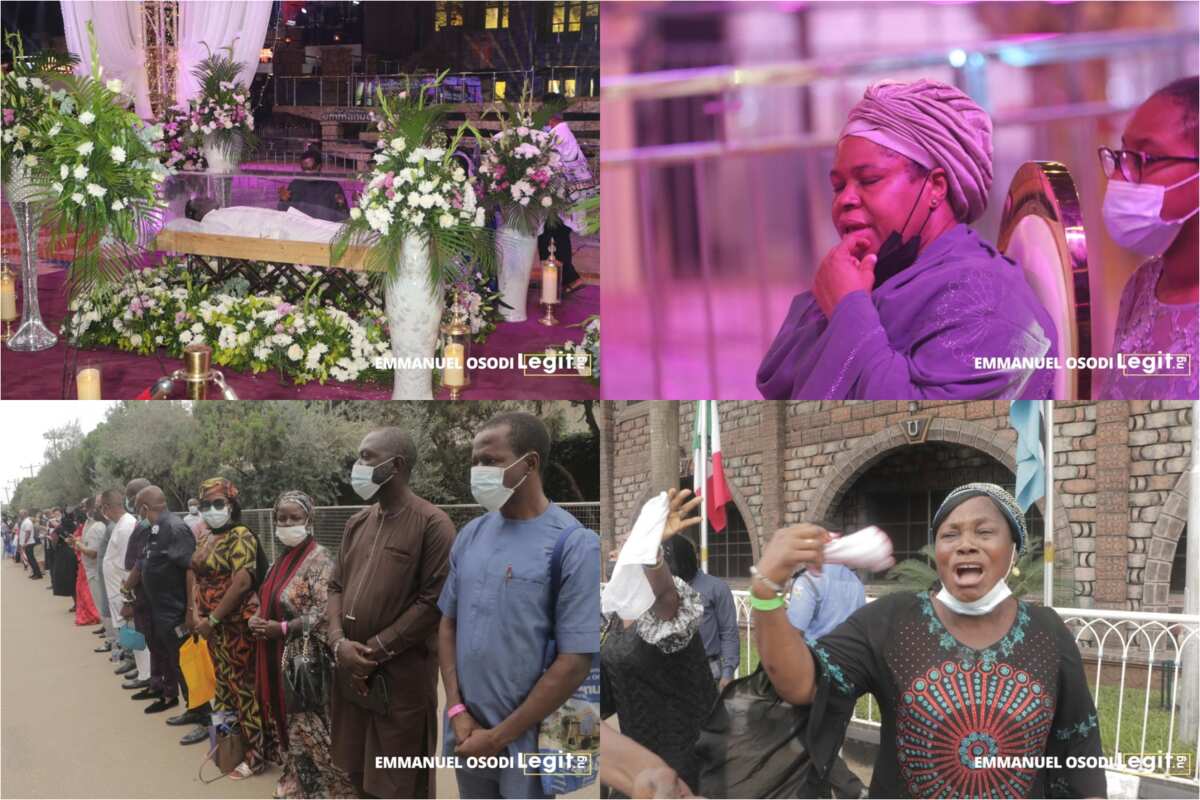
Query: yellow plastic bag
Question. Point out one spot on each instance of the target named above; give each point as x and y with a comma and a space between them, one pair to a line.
197, 668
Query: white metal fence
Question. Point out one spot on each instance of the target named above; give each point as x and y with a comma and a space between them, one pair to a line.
1135, 665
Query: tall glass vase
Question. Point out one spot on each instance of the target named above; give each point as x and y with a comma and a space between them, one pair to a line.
32, 335
414, 313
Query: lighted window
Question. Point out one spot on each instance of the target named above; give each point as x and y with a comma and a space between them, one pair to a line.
499, 89
558, 18
569, 87
447, 14
574, 17
554, 85
567, 17
593, 10
495, 16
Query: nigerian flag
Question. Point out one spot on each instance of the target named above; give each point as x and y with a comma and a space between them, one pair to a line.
708, 477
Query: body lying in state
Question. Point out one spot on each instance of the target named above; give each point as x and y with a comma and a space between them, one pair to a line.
258, 223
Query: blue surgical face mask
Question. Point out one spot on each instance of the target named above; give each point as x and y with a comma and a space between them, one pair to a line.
487, 485
1133, 216
364, 478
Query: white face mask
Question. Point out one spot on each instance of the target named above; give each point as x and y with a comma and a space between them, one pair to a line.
977, 608
291, 535
193, 510
362, 478
216, 519
487, 485
1133, 215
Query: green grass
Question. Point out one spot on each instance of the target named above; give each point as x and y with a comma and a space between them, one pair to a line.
1157, 720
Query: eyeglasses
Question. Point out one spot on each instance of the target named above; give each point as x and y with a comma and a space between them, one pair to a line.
1132, 162
218, 505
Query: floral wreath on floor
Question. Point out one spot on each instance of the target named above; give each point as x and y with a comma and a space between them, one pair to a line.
180, 147
589, 347
303, 339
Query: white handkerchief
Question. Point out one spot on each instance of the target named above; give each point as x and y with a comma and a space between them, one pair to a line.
628, 593
869, 549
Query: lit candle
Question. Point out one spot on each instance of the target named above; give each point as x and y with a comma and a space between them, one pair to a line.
87, 383
549, 282
455, 372
8, 296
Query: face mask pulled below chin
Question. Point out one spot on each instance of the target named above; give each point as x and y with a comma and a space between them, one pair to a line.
977, 608
896, 255
363, 479
487, 485
291, 535
1133, 216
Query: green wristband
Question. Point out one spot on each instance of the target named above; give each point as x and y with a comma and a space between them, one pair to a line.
758, 604
214, 619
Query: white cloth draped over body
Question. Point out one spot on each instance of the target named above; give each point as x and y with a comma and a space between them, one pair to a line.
120, 41
260, 223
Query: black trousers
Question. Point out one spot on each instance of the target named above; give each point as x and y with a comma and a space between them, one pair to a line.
164, 661
33, 562
561, 236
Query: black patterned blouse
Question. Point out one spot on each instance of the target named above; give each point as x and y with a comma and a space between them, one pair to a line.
947, 708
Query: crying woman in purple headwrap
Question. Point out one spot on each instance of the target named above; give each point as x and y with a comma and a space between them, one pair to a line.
911, 298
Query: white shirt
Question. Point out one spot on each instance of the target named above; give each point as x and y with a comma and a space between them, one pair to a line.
93, 535
27, 532
114, 557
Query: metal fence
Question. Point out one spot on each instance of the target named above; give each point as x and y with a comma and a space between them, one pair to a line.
459, 87
330, 521
1134, 662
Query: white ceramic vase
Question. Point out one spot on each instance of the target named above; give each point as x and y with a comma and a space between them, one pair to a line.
516, 251
414, 312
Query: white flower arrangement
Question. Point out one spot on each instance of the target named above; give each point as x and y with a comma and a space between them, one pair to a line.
417, 188
160, 308
223, 110
519, 169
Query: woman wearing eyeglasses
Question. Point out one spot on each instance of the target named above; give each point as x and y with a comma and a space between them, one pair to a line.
227, 569
1150, 207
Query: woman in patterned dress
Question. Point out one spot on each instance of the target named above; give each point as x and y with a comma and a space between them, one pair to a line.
226, 571
962, 676
293, 597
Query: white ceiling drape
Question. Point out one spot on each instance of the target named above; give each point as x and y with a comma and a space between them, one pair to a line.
118, 28
217, 24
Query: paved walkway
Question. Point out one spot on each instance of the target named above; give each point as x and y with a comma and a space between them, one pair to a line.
68, 729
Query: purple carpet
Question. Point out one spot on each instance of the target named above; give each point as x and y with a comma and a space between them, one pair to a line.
38, 376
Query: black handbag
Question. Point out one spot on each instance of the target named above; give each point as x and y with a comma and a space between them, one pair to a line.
376, 699
307, 672
753, 744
